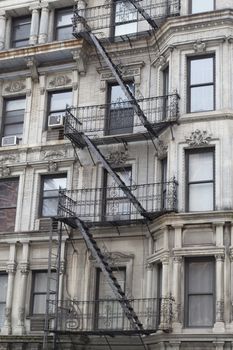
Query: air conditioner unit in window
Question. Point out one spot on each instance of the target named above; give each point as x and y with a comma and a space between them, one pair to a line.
56, 121
10, 140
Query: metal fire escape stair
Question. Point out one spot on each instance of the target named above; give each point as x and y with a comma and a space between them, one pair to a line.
75, 222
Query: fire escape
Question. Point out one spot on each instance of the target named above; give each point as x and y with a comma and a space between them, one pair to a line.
142, 202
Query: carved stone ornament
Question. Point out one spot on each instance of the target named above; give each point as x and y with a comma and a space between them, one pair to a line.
51, 155
114, 258
199, 46
198, 138
5, 171
162, 60
52, 166
24, 268
8, 158
161, 149
118, 157
11, 267
16, 86
60, 80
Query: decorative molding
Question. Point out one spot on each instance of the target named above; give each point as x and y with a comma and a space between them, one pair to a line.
8, 158
32, 65
11, 267
60, 80
199, 46
178, 259
161, 149
220, 257
24, 268
114, 258
198, 138
117, 157
16, 86
52, 166
81, 59
50, 155
5, 171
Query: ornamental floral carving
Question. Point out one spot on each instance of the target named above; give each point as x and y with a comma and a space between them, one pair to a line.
199, 46
60, 80
52, 166
198, 138
50, 155
118, 157
5, 171
15, 86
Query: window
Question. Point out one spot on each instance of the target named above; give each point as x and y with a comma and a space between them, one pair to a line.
164, 183
120, 116
109, 314
125, 16
8, 204
3, 288
165, 92
39, 291
116, 204
201, 84
57, 102
13, 118
50, 192
63, 25
201, 5
200, 290
20, 31
200, 180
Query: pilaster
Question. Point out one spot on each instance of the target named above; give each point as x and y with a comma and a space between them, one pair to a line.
44, 23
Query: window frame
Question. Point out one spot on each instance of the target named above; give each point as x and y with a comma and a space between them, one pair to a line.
5, 100
191, 8
4, 273
15, 179
33, 293
13, 26
56, 27
49, 99
189, 86
105, 199
42, 181
187, 183
110, 85
115, 24
189, 260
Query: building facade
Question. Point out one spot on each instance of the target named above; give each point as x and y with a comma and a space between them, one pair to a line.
167, 234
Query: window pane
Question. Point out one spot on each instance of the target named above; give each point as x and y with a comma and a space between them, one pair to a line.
16, 104
50, 207
201, 311
3, 287
201, 279
125, 12
64, 17
125, 175
39, 305
14, 129
7, 220
8, 193
21, 31
124, 29
201, 197
64, 33
202, 5
202, 98
40, 282
202, 71
201, 166
60, 100
54, 183
105, 291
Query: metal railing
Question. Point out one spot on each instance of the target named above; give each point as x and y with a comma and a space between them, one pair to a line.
123, 18
106, 315
111, 204
119, 118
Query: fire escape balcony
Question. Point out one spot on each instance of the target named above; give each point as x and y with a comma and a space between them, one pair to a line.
105, 316
110, 206
117, 122
121, 19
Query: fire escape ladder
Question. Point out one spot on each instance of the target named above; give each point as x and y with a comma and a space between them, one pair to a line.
52, 296
108, 273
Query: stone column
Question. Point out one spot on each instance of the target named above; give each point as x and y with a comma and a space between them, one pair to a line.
34, 25
11, 269
24, 269
165, 302
44, 22
219, 324
177, 261
2, 29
